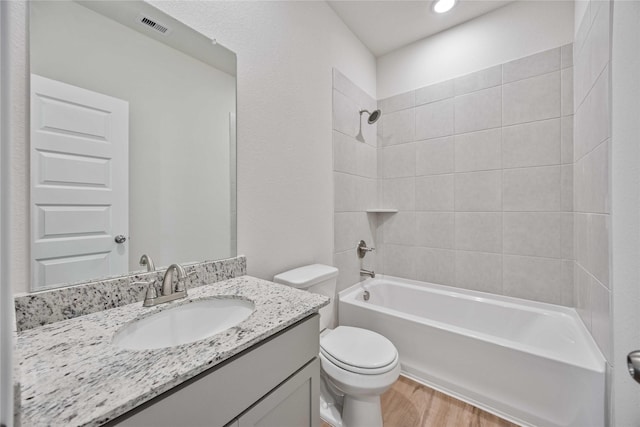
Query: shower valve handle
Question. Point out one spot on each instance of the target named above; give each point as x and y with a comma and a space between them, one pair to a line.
363, 249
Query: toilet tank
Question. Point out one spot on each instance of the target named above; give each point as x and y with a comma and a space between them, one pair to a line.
317, 278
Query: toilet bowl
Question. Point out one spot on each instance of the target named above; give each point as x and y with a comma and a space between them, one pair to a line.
357, 365
360, 365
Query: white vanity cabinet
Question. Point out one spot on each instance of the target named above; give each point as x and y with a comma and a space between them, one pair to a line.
275, 383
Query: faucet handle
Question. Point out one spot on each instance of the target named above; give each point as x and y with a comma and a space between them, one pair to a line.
181, 286
152, 293
363, 249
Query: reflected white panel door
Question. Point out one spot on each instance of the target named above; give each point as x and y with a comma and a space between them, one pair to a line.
79, 183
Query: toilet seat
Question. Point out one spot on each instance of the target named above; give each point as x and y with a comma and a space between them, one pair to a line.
355, 384
359, 350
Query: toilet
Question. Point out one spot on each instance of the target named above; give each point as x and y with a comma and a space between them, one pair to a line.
357, 365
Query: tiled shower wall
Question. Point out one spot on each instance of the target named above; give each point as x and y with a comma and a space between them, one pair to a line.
480, 168
355, 179
591, 173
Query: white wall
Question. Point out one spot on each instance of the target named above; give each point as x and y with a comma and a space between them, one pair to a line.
511, 32
625, 151
16, 191
6, 301
286, 52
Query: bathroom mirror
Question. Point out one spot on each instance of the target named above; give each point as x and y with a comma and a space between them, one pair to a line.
132, 141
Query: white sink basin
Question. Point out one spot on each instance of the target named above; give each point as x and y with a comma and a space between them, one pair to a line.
183, 324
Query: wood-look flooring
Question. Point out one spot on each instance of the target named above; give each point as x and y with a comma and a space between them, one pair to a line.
409, 404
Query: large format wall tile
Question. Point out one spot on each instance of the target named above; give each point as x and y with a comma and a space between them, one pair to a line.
398, 161
434, 265
434, 120
400, 228
345, 114
435, 193
479, 271
435, 156
600, 298
531, 144
353, 193
533, 189
536, 98
434, 92
582, 294
594, 181
539, 279
399, 261
599, 40
478, 110
478, 191
531, 66
482, 79
434, 229
478, 151
566, 130
566, 101
566, 56
398, 127
397, 102
598, 247
399, 193
533, 234
478, 231
354, 157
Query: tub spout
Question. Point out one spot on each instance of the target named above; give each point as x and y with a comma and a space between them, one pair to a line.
371, 273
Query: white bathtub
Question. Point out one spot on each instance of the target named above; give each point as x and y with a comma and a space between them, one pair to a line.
531, 363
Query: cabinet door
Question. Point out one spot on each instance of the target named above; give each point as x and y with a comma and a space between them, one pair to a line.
295, 403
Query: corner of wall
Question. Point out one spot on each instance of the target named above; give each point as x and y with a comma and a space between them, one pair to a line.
7, 322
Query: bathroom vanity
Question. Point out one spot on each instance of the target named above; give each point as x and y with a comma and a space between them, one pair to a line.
274, 383
263, 371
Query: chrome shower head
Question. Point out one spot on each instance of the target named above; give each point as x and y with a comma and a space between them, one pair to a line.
373, 116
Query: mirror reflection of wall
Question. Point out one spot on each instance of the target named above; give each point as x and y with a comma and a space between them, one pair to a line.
180, 130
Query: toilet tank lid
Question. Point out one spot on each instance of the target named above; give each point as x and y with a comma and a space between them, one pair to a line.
309, 275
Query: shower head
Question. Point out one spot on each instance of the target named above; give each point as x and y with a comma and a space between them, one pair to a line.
373, 116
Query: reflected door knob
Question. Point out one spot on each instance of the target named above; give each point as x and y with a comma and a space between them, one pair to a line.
633, 364
120, 239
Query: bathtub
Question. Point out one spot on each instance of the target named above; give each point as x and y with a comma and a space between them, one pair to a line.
531, 363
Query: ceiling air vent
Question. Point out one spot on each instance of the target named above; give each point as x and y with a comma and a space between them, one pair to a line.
153, 24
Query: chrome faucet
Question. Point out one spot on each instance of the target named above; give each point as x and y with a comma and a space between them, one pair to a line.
168, 293
146, 260
167, 281
369, 273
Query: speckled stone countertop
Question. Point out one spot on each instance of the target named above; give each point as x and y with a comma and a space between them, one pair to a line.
71, 374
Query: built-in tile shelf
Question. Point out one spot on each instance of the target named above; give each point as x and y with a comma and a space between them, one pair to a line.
382, 210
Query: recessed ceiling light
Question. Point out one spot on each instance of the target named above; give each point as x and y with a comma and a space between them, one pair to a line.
442, 6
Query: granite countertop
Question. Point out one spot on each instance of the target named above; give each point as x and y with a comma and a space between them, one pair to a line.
69, 373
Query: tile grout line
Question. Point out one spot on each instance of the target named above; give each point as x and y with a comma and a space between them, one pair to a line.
502, 287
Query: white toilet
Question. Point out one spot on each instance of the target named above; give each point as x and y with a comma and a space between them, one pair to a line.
358, 365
